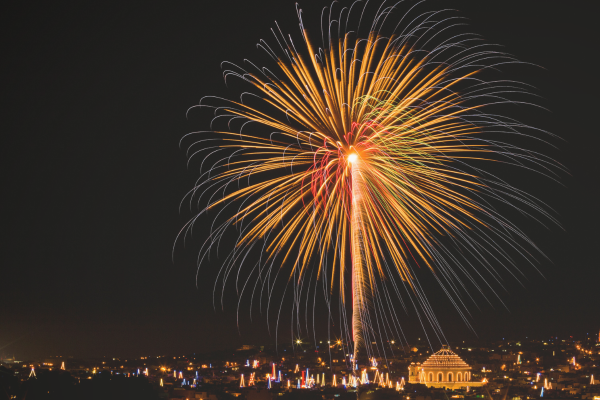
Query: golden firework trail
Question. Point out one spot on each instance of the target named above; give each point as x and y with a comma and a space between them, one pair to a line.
364, 158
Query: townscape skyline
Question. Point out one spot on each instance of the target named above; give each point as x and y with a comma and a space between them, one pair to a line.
521, 368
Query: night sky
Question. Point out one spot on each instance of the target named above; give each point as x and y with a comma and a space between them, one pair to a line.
94, 100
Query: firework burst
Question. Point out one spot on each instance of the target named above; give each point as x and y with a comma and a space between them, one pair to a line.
370, 167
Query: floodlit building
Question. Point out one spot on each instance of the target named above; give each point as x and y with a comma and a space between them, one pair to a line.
443, 369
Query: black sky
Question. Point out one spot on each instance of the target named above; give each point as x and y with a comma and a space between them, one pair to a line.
94, 97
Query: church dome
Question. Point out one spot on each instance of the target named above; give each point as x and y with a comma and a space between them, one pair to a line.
443, 369
445, 358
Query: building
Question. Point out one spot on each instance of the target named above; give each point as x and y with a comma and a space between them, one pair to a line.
444, 369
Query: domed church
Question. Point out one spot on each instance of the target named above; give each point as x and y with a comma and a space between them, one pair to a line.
443, 369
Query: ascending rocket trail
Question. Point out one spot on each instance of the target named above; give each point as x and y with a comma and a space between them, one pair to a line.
358, 257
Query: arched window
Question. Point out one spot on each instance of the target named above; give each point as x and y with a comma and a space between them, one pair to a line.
440, 377
431, 377
459, 377
450, 377
468, 376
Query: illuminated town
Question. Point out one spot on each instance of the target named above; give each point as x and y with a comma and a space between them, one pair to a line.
555, 368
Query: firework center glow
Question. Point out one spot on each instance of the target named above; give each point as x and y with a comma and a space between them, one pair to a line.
352, 158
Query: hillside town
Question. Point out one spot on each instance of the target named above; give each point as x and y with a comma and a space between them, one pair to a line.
555, 368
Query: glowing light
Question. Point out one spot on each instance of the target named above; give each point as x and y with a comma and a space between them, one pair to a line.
334, 381
161, 382
352, 158
242, 383
62, 366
